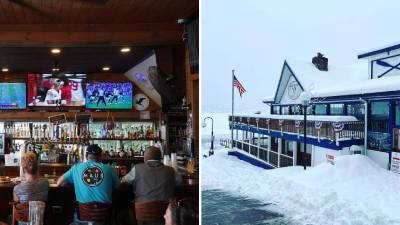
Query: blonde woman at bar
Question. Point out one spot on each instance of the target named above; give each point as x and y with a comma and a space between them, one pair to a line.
33, 188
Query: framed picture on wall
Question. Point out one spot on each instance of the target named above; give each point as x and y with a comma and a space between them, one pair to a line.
2, 143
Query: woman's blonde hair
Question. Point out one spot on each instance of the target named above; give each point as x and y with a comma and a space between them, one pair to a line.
30, 163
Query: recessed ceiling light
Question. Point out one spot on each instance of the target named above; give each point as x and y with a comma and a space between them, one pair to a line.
106, 68
56, 69
125, 50
4, 69
55, 51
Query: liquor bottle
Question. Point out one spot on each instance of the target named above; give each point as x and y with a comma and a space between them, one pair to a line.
141, 150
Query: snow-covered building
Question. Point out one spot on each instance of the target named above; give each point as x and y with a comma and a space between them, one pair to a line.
342, 99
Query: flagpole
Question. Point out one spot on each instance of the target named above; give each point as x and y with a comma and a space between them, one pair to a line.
233, 98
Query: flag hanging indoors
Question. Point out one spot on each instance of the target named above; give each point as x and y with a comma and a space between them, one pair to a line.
239, 86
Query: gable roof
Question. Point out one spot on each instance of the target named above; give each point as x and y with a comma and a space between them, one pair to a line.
312, 79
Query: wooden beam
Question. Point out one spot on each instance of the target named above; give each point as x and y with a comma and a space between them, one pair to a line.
69, 34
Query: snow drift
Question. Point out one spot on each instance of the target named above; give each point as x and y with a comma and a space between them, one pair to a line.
353, 191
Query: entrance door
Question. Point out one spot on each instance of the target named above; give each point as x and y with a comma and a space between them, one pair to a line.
300, 155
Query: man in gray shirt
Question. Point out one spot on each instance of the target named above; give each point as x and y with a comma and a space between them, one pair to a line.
152, 180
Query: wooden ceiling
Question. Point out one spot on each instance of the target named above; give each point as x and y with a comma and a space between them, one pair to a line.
79, 59
94, 11
134, 22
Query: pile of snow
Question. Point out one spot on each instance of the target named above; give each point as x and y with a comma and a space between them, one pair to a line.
353, 191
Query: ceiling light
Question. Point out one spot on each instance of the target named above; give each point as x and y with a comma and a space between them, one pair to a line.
106, 68
56, 69
4, 69
55, 51
125, 50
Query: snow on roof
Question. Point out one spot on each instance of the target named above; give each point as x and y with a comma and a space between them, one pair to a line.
269, 99
384, 84
311, 78
301, 117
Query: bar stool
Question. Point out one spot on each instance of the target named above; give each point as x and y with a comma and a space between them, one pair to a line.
32, 212
20, 212
150, 212
93, 212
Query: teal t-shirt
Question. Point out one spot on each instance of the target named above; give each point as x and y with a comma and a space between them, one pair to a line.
93, 182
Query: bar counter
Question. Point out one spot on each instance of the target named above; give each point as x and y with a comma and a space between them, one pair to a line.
61, 203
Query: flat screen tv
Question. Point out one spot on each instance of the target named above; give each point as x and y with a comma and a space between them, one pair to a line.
109, 95
12, 95
47, 90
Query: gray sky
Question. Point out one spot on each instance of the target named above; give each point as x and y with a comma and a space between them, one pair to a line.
255, 36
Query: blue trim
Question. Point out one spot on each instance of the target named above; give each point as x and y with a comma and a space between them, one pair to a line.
372, 70
310, 140
250, 160
376, 52
280, 80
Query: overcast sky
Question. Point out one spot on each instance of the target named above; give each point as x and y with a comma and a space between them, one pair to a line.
255, 36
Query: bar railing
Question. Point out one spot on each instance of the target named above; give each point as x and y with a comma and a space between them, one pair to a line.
326, 130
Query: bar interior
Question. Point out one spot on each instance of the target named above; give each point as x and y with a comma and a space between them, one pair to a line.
119, 74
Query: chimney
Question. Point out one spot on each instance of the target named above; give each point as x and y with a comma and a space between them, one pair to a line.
320, 62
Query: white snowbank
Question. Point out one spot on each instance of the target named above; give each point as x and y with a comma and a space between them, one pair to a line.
353, 191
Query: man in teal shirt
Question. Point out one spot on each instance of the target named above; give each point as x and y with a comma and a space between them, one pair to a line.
93, 181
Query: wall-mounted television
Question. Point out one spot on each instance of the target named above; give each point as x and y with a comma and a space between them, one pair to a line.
12, 95
48, 90
107, 95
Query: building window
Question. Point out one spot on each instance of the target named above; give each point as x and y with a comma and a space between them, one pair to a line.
297, 110
380, 109
320, 109
337, 109
378, 127
356, 110
287, 148
398, 113
275, 109
285, 110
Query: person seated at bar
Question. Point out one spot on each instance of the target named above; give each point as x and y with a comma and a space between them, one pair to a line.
93, 181
181, 213
33, 188
152, 180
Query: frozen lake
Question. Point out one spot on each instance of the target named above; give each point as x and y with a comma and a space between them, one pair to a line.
221, 208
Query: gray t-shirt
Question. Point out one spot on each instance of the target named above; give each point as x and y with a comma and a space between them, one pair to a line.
32, 191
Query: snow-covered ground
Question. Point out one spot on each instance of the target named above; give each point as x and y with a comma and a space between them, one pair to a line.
353, 191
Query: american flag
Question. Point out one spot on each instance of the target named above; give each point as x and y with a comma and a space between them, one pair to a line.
239, 86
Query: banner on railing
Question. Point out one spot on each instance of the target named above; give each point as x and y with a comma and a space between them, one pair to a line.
297, 125
280, 122
318, 125
337, 126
